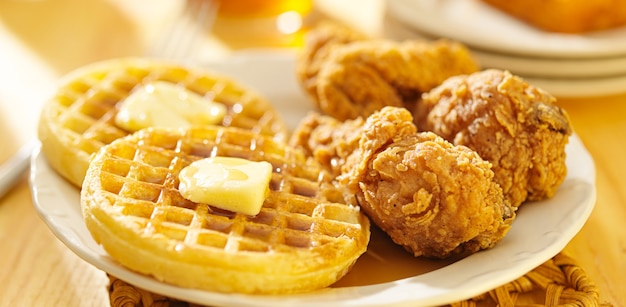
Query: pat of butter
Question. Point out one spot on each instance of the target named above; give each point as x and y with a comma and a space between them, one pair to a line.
232, 184
164, 104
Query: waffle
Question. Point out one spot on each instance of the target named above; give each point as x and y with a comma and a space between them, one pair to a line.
303, 239
80, 117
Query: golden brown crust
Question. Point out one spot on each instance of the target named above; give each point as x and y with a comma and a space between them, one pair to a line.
431, 197
327, 140
512, 124
319, 43
360, 78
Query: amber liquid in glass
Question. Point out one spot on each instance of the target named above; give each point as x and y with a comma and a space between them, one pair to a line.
261, 23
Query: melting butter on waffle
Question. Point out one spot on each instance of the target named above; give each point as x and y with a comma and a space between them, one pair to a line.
232, 184
302, 239
80, 117
164, 104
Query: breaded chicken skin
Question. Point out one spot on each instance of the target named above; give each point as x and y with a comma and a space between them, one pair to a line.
327, 140
319, 43
331, 142
431, 197
512, 124
350, 76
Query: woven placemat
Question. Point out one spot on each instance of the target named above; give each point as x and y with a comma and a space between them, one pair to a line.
557, 282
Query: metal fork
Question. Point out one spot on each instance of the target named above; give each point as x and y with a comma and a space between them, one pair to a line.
179, 42
12, 169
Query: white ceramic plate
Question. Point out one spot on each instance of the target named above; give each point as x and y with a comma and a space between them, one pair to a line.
564, 77
554, 68
580, 87
480, 26
385, 275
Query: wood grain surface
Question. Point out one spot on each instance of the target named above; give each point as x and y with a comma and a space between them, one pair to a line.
41, 40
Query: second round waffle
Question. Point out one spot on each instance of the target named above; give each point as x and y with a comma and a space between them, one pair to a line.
80, 117
303, 239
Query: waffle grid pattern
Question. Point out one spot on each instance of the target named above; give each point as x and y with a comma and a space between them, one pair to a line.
297, 213
80, 118
87, 105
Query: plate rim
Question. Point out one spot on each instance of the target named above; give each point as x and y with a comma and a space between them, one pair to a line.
554, 68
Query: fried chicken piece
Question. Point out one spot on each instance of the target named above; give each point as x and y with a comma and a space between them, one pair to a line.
319, 42
331, 142
327, 140
431, 197
361, 77
512, 124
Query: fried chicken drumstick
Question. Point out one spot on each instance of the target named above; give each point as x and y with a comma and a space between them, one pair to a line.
431, 197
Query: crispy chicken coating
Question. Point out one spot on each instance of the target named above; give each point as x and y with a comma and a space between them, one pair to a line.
331, 142
327, 140
512, 124
319, 42
359, 78
431, 197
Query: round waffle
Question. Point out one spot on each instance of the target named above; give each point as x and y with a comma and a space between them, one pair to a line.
80, 117
304, 237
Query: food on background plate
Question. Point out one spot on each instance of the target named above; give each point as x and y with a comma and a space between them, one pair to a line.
431, 197
304, 238
565, 16
516, 126
82, 116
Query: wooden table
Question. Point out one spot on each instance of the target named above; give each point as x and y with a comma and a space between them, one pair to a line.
41, 40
